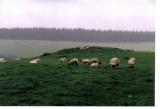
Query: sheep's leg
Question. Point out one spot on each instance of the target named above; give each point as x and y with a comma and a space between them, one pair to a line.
131, 66
113, 66
76, 64
117, 65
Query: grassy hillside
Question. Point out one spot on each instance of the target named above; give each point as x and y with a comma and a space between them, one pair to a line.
51, 83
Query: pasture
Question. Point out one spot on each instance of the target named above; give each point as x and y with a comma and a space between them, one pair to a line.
51, 83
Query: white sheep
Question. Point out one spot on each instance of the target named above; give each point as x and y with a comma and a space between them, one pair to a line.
2, 60
131, 62
82, 48
63, 60
114, 62
95, 64
35, 61
87, 47
73, 62
85, 61
94, 60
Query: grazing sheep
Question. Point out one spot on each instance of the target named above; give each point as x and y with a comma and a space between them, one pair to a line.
94, 60
73, 62
35, 61
87, 47
131, 62
83, 48
114, 62
63, 60
95, 64
85, 61
2, 60
44, 54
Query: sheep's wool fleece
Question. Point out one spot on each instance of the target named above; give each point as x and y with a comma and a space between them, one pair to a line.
114, 61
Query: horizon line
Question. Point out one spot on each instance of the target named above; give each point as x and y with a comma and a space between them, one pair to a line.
69, 28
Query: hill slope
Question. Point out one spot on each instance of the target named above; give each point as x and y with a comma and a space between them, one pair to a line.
51, 83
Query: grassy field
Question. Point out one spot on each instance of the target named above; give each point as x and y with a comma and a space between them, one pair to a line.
52, 83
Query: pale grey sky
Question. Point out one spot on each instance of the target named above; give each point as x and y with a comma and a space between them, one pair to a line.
89, 14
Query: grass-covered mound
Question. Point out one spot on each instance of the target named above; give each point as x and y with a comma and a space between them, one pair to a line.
52, 83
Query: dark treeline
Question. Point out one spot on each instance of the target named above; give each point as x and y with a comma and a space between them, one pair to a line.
76, 35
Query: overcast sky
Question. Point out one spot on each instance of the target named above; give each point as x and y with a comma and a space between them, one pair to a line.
89, 14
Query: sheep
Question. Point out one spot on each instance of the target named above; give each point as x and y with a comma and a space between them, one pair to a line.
90, 61
83, 48
85, 61
131, 62
2, 60
35, 61
73, 62
63, 60
44, 54
114, 62
87, 47
94, 60
95, 64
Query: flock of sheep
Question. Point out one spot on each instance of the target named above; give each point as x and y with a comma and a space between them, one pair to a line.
94, 62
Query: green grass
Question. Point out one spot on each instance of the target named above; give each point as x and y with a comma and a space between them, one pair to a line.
52, 83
